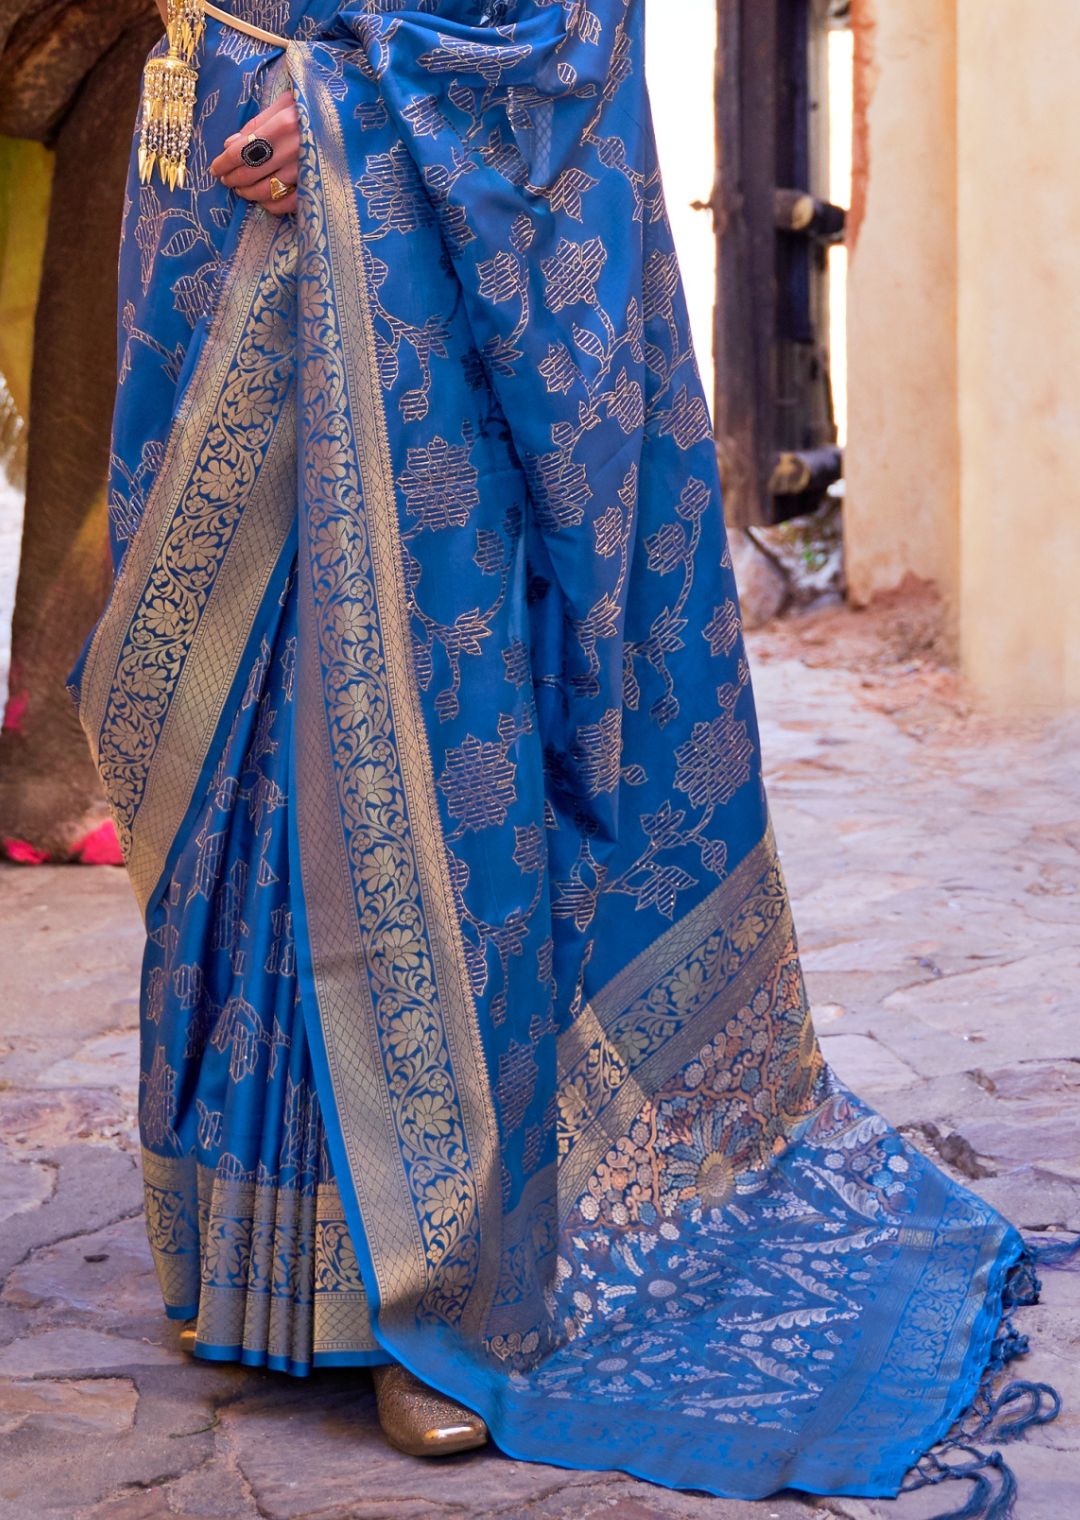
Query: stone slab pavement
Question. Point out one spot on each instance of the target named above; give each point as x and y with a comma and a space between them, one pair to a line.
934, 859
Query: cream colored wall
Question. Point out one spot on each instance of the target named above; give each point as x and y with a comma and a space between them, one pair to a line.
902, 451
1019, 349
963, 457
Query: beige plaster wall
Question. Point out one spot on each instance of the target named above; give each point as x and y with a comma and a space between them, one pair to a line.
1019, 349
902, 454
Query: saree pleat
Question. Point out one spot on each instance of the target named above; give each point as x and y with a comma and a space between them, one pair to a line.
245, 1219
474, 1031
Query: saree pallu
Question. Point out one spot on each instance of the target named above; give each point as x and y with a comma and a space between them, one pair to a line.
474, 1029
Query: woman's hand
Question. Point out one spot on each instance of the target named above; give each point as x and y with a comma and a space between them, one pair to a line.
280, 126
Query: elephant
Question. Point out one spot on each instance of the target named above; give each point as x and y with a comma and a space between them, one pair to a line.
69, 78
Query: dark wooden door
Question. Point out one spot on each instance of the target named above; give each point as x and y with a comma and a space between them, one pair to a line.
775, 430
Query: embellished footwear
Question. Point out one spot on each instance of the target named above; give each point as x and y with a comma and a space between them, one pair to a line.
420, 1422
188, 1337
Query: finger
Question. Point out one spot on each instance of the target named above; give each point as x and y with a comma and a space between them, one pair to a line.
284, 105
282, 207
262, 193
259, 193
283, 102
283, 137
283, 162
276, 123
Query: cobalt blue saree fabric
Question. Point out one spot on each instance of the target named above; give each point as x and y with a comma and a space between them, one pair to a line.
474, 1029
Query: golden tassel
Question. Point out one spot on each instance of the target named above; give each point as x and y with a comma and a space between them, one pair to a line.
168, 110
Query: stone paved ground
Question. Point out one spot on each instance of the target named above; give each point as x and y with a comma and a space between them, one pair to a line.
934, 859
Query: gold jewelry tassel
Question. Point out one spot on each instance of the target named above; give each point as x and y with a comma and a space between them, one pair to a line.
168, 109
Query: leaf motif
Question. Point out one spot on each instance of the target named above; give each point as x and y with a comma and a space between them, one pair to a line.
447, 705
422, 662
209, 106
387, 363
489, 551
589, 342
656, 359
180, 243
463, 98
414, 405
770, 1366
469, 631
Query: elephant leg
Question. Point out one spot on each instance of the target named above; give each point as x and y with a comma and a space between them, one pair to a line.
50, 801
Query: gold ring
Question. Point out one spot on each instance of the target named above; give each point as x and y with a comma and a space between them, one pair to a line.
278, 189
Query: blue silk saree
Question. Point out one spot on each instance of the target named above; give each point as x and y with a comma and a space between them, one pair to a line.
474, 1034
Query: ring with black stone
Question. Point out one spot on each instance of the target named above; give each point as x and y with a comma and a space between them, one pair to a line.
256, 151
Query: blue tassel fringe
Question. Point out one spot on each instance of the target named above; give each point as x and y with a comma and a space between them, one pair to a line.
1002, 1416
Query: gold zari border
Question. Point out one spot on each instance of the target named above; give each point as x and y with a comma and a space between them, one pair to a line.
272, 1268
162, 625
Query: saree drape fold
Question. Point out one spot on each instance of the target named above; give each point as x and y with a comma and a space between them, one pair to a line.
474, 1029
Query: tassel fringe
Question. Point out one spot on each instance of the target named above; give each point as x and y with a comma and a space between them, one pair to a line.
1058, 1253
169, 85
998, 1417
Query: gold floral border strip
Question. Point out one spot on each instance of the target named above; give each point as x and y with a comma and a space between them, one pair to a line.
414, 1106
217, 650
188, 430
724, 950
641, 974
170, 643
169, 1193
621, 1102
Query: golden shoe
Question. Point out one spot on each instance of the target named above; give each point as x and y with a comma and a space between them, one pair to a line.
188, 1336
421, 1422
